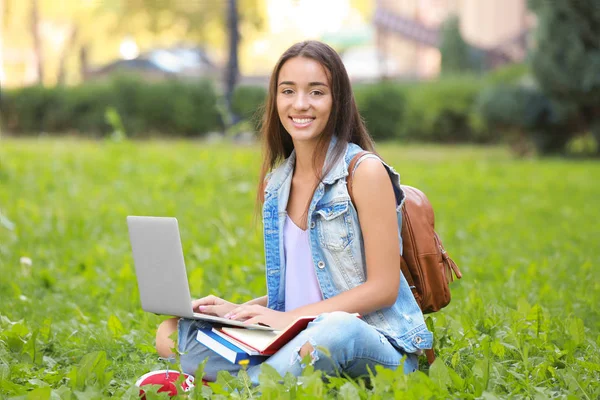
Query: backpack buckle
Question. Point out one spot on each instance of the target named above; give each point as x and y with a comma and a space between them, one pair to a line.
445, 255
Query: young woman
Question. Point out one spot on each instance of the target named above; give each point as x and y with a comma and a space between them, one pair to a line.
325, 255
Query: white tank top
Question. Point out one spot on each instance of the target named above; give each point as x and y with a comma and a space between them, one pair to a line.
301, 285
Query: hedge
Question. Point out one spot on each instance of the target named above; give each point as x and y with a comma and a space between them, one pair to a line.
522, 112
472, 108
444, 111
440, 111
436, 111
169, 107
382, 108
248, 104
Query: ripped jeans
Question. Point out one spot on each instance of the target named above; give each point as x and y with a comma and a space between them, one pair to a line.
354, 347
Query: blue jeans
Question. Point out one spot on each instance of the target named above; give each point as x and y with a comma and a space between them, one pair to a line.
354, 347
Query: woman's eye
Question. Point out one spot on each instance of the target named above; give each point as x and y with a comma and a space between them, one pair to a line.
317, 93
287, 91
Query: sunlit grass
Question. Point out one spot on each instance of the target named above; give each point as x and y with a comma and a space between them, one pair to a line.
524, 321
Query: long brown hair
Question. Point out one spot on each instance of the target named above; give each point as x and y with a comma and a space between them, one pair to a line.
344, 120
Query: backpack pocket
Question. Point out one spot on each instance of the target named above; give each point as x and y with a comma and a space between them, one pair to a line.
334, 226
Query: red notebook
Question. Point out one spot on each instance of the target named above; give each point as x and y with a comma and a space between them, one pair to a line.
267, 342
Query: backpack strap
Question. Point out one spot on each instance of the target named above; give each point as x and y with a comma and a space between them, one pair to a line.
430, 356
351, 168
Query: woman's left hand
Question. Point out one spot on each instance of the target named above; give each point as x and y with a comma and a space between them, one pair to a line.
256, 314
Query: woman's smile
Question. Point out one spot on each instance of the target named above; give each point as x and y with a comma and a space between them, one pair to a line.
301, 122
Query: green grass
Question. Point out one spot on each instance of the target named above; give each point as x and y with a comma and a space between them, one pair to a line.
524, 321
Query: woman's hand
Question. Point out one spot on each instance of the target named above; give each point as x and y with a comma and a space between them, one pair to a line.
256, 314
213, 305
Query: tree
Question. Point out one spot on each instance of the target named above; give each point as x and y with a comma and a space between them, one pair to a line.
37, 41
566, 58
216, 22
232, 71
2, 16
456, 53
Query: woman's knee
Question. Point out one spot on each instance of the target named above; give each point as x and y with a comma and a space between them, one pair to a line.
340, 323
332, 330
164, 343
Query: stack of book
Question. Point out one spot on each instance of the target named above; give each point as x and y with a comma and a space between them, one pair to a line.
249, 346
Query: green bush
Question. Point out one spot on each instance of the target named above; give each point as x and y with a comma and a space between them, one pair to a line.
36, 109
201, 115
508, 74
515, 107
85, 107
248, 102
517, 112
437, 111
382, 108
130, 99
444, 111
457, 56
26, 108
169, 107
450, 110
566, 59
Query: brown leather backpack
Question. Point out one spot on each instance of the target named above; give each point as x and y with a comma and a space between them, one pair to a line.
424, 263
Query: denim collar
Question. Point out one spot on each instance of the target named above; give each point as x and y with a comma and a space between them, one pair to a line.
283, 172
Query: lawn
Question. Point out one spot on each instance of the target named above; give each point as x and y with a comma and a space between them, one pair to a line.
524, 321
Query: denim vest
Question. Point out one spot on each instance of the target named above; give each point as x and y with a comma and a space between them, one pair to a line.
337, 248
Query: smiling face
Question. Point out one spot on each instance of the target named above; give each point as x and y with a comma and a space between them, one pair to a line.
304, 98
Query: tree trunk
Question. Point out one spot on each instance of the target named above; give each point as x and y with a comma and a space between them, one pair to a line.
84, 68
2, 78
595, 128
232, 72
37, 41
60, 78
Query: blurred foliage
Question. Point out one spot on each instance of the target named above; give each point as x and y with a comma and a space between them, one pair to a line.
458, 56
503, 106
508, 74
382, 108
166, 107
248, 102
443, 111
196, 20
436, 111
98, 27
525, 113
113, 118
566, 59
512, 106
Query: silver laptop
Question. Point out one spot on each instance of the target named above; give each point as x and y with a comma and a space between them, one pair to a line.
160, 270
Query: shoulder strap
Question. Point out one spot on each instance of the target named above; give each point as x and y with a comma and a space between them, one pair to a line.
351, 171
429, 352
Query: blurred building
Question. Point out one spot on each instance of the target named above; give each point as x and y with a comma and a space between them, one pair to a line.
409, 32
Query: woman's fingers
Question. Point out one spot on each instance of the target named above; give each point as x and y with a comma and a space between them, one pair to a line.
244, 312
218, 310
234, 312
273, 320
256, 314
239, 315
207, 301
204, 301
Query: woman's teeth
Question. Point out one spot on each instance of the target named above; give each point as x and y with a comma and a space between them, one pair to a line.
302, 120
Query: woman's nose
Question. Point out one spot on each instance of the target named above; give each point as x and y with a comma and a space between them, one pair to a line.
301, 102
